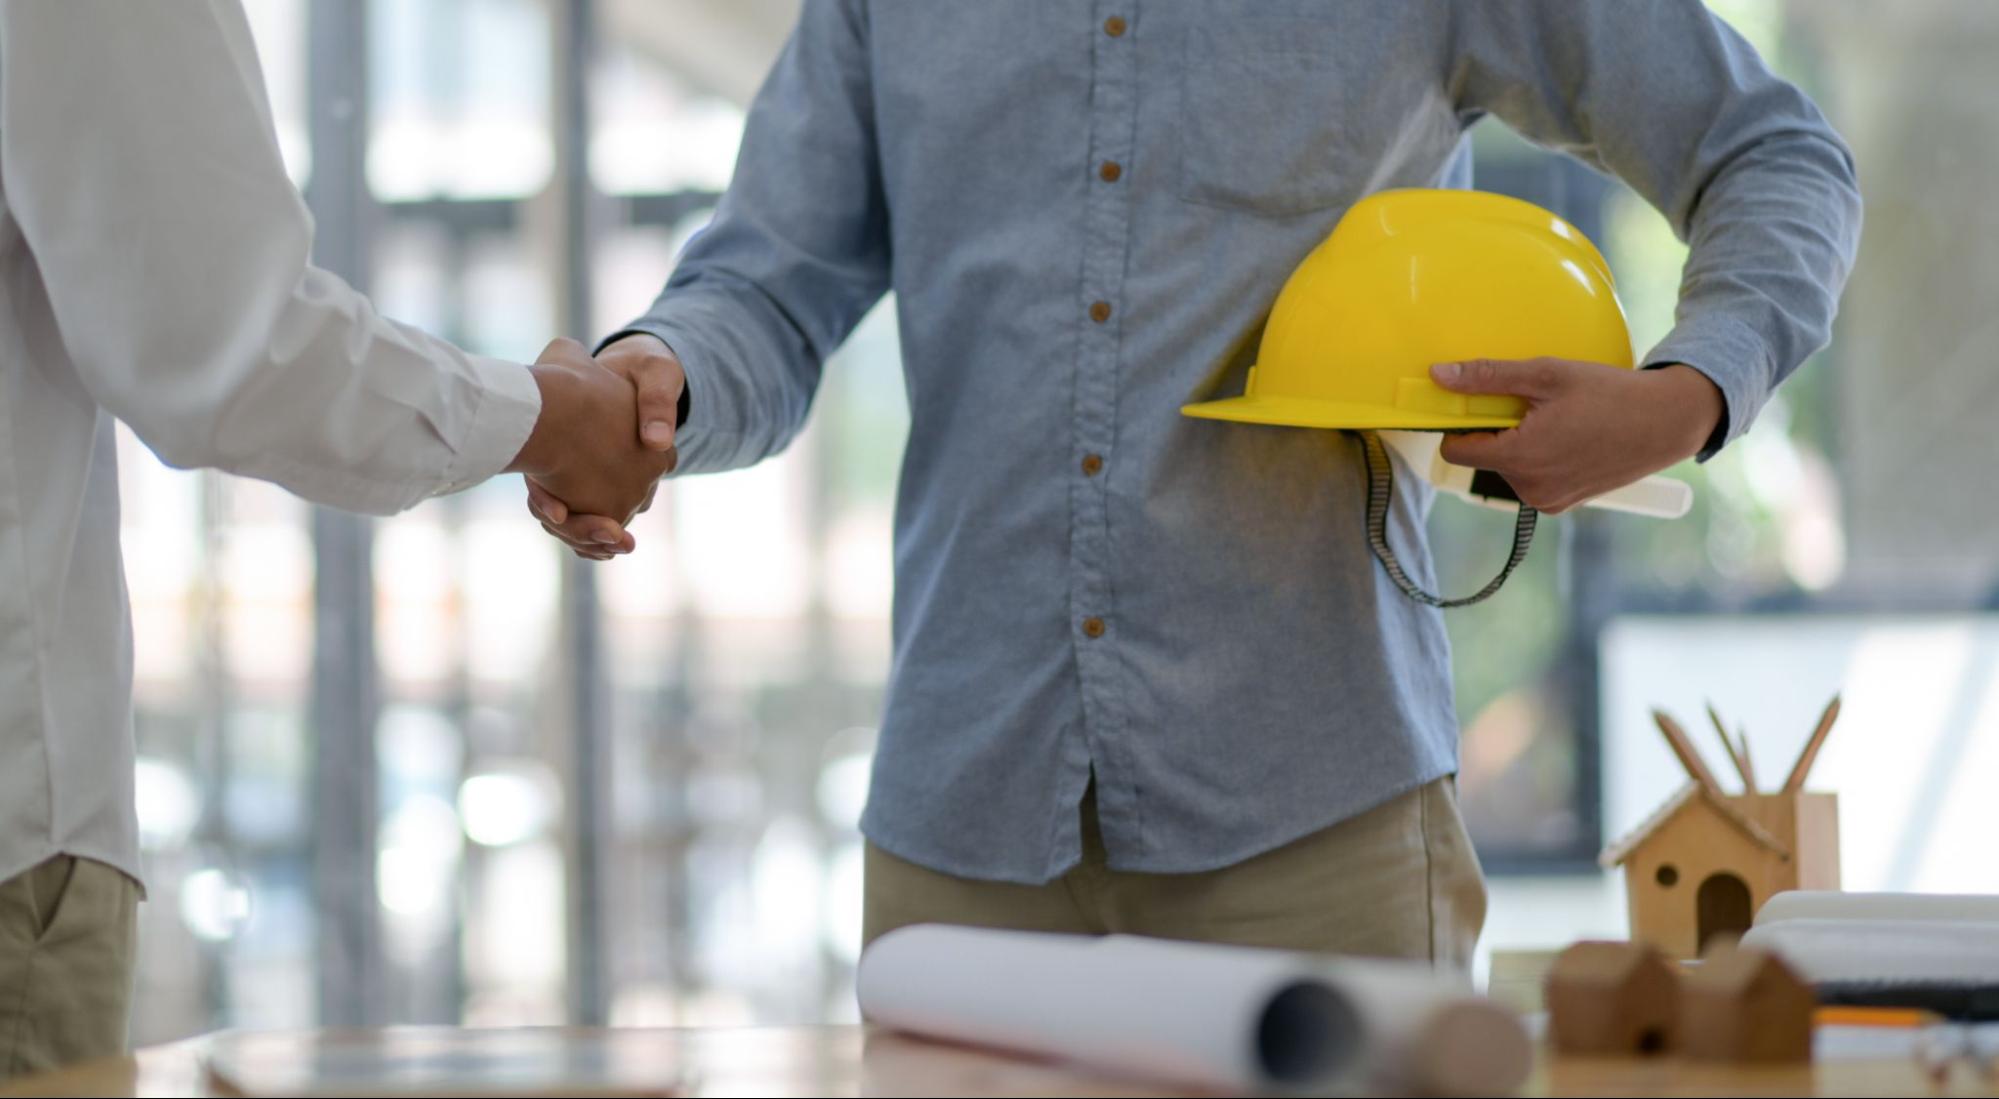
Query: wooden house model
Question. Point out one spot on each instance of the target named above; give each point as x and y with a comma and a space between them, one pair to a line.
1610, 999
1699, 867
1745, 1006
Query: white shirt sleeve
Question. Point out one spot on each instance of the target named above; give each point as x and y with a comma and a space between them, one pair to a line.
140, 161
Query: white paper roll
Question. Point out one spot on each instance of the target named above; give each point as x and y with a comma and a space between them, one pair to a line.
1829, 905
1431, 1034
1210, 1016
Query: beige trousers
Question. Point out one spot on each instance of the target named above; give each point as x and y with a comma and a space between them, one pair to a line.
1400, 880
67, 930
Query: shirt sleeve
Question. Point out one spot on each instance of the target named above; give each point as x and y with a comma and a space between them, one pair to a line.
796, 254
1745, 168
140, 163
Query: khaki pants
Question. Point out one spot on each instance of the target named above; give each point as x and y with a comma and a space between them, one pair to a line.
1400, 880
66, 948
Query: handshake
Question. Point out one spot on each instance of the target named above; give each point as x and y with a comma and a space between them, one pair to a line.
603, 441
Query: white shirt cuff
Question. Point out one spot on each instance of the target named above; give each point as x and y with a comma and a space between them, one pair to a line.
508, 408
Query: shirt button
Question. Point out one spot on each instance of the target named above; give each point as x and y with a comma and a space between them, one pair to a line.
1114, 26
1111, 172
1100, 311
1093, 627
1093, 464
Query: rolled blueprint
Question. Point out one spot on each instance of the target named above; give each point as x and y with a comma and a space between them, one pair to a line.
1429, 1034
1831, 905
1233, 1018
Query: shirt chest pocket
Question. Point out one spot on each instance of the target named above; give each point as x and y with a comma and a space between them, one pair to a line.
1264, 119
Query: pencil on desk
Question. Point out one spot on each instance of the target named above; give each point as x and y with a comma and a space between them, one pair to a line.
1896, 1017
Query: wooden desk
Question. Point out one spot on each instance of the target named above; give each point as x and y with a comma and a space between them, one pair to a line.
852, 1060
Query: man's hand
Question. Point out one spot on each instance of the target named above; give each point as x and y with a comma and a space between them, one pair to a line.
1589, 428
584, 448
654, 374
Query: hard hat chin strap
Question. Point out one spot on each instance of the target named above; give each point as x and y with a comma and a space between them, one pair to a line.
1381, 486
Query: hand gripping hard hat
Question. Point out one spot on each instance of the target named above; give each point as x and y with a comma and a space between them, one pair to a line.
1409, 279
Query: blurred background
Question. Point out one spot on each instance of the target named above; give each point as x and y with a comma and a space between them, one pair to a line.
429, 769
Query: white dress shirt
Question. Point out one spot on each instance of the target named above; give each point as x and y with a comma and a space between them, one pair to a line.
154, 268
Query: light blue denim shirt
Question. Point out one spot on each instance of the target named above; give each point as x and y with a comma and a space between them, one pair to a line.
1088, 582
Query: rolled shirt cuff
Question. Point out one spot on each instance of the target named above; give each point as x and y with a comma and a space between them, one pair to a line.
1732, 356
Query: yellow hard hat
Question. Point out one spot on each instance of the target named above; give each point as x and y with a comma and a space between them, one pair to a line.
1412, 278
1409, 279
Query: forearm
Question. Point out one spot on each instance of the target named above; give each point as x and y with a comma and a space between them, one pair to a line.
1771, 243
174, 253
1743, 166
345, 407
796, 254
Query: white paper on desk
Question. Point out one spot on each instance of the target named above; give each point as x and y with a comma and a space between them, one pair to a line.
1880, 1043
1944, 951
1807, 904
1210, 1016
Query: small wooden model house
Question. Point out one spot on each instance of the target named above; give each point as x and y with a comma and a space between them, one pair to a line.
1609, 999
1696, 871
1745, 1006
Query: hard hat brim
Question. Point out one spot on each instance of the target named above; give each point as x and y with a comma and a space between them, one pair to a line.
1338, 415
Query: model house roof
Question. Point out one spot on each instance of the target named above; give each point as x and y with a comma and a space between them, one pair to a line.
1690, 794
1604, 963
1736, 972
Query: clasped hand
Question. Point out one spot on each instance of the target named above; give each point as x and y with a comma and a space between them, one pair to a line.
598, 449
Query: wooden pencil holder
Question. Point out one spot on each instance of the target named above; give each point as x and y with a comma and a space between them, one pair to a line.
1699, 867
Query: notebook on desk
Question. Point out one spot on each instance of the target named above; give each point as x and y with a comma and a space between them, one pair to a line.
1936, 952
439, 1061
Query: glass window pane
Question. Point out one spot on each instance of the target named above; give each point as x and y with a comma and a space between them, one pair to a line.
653, 133
459, 94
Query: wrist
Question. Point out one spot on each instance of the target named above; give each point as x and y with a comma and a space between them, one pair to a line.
1698, 402
540, 456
